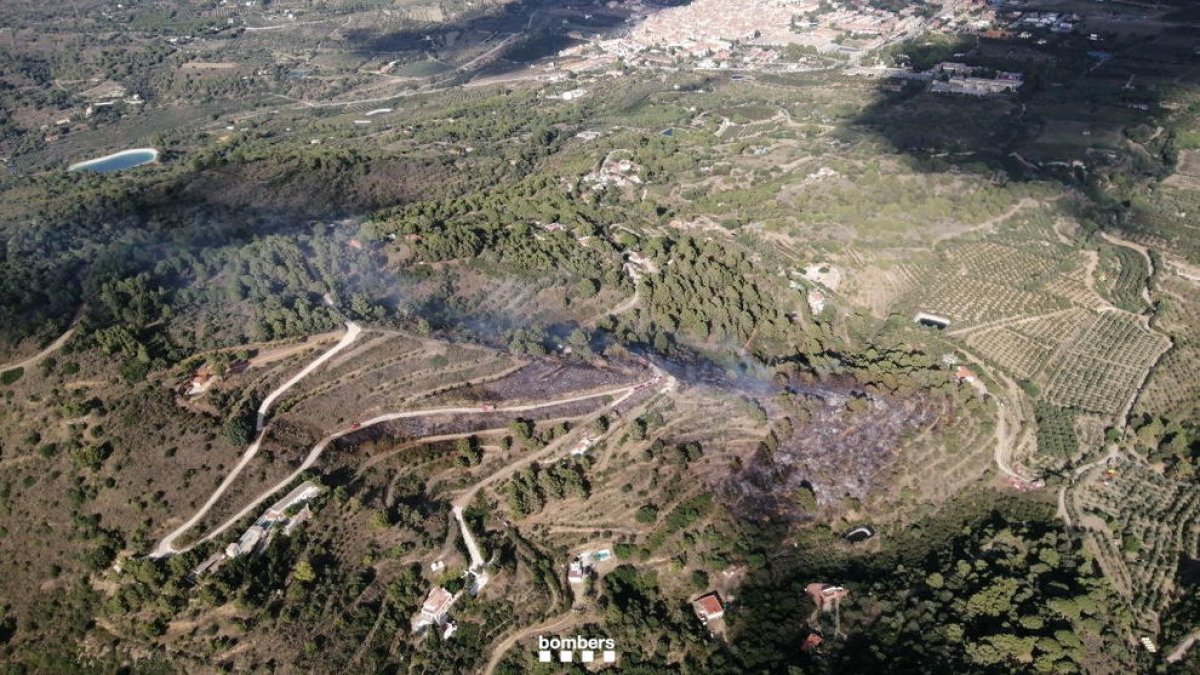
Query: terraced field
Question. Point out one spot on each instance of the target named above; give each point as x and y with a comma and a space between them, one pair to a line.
1142, 523
1022, 356
1173, 385
1055, 329
1056, 435
1101, 369
1123, 274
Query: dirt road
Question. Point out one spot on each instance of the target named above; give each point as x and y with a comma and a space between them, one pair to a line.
1063, 507
1009, 416
476, 568
50, 349
988, 224
502, 648
319, 448
556, 446
627, 304
1184, 645
1118, 241
352, 332
167, 545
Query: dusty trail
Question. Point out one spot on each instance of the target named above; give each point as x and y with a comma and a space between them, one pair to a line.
352, 332
507, 643
319, 448
1119, 241
167, 545
1063, 505
1184, 645
50, 349
477, 562
627, 304
990, 222
1009, 417
508, 470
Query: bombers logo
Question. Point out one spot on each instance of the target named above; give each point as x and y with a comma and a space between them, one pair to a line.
564, 649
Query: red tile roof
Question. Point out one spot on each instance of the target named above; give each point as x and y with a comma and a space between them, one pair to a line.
709, 605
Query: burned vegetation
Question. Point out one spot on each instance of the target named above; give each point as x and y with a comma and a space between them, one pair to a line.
831, 443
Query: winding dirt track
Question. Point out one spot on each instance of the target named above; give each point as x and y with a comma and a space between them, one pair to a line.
507, 643
167, 545
319, 448
1184, 645
1009, 416
50, 349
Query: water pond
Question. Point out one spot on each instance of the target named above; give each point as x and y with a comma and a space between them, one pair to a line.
118, 161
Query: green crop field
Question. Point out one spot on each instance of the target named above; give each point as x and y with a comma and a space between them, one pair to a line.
1056, 432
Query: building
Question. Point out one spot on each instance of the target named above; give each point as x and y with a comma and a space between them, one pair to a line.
583, 446
975, 86
709, 607
200, 382
825, 596
964, 374
831, 593
954, 69
816, 301
302, 493
437, 603
208, 565
297, 520
248, 541
932, 320
576, 573
812, 642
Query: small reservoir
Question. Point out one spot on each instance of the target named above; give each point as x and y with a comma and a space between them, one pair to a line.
118, 161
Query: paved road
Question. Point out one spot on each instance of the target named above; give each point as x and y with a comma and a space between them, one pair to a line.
167, 545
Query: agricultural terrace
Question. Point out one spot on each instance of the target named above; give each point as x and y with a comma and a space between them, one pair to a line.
390, 372
932, 467
1101, 370
1003, 268
1173, 387
1141, 525
1123, 275
1056, 435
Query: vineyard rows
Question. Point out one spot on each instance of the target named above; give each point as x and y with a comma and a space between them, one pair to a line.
1074, 287
1058, 328
1119, 338
976, 299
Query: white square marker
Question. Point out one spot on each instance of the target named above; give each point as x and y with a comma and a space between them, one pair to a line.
587, 656
609, 656
544, 656
566, 655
